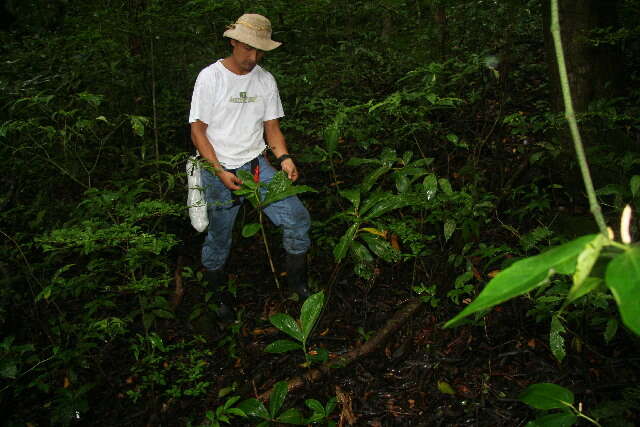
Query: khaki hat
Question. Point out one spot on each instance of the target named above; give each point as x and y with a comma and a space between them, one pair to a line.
254, 30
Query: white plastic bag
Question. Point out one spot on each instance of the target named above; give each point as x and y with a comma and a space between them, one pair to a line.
195, 196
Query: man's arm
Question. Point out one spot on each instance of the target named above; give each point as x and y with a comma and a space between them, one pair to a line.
201, 142
278, 146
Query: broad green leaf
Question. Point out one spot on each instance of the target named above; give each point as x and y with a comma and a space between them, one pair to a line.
360, 252
524, 276
634, 183
314, 405
560, 419
247, 179
445, 186
587, 259
587, 286
402, 183
9, 370
291, 416
449, 228
406, 157
610, 330
623, 279
164, 314
384, 205
138, 123
381, 247
279, 393
254, 408
546, 396
352, 195
358, 161
341, 249
230, 401
556, 340
331, 404
331, 137
287, 324
430, 185
310, 312
280, 187
282, 346
250, 229
371, 179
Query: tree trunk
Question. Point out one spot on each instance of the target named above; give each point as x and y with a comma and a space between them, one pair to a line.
591, 69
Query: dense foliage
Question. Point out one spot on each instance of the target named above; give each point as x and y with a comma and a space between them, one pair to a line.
431, 133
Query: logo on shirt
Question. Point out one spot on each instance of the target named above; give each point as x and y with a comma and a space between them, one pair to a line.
243, 98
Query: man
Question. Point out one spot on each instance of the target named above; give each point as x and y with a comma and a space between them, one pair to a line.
235, 107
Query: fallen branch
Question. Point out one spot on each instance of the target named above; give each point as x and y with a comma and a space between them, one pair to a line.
346, 359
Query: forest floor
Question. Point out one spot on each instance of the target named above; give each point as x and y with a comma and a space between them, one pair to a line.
423, 375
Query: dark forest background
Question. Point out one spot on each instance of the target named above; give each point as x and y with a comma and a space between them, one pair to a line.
447, 114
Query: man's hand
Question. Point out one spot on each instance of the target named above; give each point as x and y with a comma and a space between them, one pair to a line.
229, 180
290, 169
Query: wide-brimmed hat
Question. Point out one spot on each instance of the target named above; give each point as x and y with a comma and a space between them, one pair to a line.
254, 30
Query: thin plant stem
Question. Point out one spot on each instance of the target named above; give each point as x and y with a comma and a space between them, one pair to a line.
571, 118
266, 246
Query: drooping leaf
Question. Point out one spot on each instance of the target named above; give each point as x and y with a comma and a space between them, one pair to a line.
360, 252
287, 324
291, 416
589, 284
560, 419
341, 249
310, 312
254, 408
381, 247
449, 228
556, 340
623, 279
430, 185
383, 205
281, 187
371, 179
250, 229
279, 393
546, 396
525, 275
587, 259
352, 195
282, 346
445, 186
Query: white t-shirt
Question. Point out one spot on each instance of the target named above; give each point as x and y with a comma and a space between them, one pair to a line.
234, 107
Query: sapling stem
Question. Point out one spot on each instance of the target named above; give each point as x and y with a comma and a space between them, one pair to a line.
571, 118
266, 244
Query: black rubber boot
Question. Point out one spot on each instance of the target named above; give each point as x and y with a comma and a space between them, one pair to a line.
297, 275
216, 279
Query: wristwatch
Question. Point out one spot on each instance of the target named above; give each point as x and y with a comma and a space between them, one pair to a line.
283, 158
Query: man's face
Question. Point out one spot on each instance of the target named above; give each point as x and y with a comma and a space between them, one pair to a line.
245, 56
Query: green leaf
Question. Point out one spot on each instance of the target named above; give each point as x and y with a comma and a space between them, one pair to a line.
352, 195
279, 393
430, 185
287, 324
587, 259
282, 346
314, 405
623, 279
371, 179
341, 249
402, 183
524, 276
561, 419
331, 404
546, 396
138, 123
445, 186
445, 387
164, 314
381, 247
291, 416
384, 203
449, 228
360, 252
254, 408
331, 137
610, 330
236, 411
280, 187
556, 340
634, 183
310, 312
250, 229
9, 370
587, 286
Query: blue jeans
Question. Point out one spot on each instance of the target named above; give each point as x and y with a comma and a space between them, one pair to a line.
289, 213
